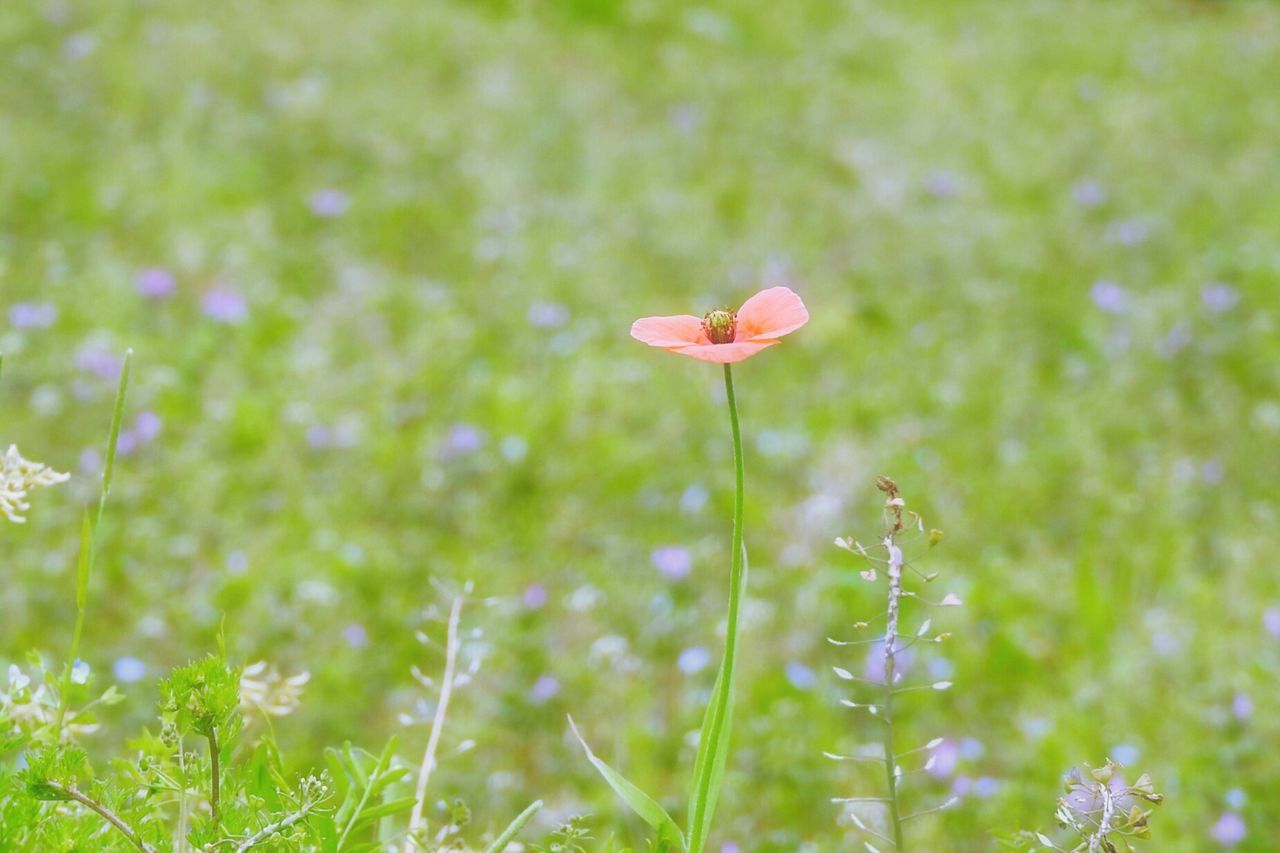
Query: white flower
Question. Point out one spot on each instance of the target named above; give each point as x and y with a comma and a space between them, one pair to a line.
17, 678
80, 672
19, 476
264, 689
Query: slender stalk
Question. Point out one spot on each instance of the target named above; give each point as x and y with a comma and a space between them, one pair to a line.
1097, 840
723, 713
416, 823
87, 538
105, 813
890, 668
267, 831
215, 786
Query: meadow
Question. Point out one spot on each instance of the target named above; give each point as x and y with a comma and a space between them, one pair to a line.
377, 264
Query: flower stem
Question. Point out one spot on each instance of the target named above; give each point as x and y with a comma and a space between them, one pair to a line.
416, 822
71, 793
710, 770
890, 669
215, 772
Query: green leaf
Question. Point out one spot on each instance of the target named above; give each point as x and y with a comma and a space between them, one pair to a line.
713, 746
641, 803
501, 842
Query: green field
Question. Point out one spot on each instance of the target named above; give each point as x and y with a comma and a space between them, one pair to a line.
405, 242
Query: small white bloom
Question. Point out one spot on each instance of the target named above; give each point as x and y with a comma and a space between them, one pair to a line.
80, 672
18, 679
19, 476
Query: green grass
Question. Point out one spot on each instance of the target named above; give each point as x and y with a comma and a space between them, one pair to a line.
643, 158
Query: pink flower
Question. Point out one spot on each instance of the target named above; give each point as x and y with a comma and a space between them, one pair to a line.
725, 337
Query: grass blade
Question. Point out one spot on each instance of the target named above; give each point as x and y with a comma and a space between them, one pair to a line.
641, 803
500, 843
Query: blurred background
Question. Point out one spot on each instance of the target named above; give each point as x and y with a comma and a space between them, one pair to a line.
377, 263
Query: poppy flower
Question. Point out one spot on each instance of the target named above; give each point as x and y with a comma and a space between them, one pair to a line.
724, 336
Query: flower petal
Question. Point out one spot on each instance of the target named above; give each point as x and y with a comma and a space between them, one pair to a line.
725, 353
679, 330
771, 314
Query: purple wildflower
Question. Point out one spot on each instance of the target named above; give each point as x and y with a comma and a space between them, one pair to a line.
319, 437
945, 758
129, 669
463, 439
1109, 296
942, 184
544, 690
874, 669
1127, 232
355, 636
147, 427
1242, 706
535, 596
156, 283
1271, 621
800, 676
1218, 297
224, 305
547, 315
693, 660
329, 203
32, 315
98, 360
673, 561
1230, 829
1088, 193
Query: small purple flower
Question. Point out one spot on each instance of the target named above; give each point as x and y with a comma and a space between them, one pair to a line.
32, 315
1125, 753
224, 305
945, 758
355, 636
126, 442
90, 461
1212, 471
319, 437
98, 360
547, 315
873, 670
535, 596
1109, 296
800, 676
942, 184
1230, 829
730, 847
544, 690
1271, 621
147, 427
79, 46
1127, 232
693, 660
463, 439
986, 786
1088, 193
673, 561
1218, 297
1242, 706
329, 203
129, 670
156, 283
694, 498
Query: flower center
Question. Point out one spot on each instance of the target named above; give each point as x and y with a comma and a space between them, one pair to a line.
720, 327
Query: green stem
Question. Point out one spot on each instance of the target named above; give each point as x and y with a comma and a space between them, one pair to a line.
722, 712
215, 772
